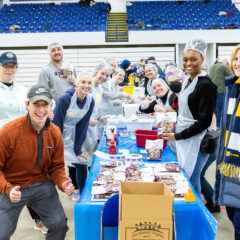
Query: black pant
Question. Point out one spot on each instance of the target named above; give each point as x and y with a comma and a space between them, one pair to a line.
78, 175
72, 174
234, 216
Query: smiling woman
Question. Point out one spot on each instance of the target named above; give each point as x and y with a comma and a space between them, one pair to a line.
192, 62
151, 72
72, 114
110, 102
228, 160
165, 100
84, 85
196, 106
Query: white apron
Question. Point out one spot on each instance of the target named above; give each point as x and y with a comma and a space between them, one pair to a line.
107, 103
187, 149
97, 93
73, 115
94, 132
149, 88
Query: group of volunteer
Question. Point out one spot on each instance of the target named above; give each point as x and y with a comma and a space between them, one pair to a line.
84, 103
196, 103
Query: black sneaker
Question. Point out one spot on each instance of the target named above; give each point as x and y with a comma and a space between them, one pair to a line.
212, 208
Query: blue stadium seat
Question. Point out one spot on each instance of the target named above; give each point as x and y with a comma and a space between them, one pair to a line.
156, 15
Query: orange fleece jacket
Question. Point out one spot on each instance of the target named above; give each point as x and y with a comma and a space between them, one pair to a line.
18, 154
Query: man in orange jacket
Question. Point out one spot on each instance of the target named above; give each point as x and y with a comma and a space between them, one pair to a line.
31, 164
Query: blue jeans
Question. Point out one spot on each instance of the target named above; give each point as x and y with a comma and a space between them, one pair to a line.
206, 188
219, 102
195, 178
234, 216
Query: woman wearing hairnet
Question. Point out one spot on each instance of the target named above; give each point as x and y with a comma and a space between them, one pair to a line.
196, 106
111, 103
174, 78
113, 63
165, 98
151, 72
101, 75
72, 114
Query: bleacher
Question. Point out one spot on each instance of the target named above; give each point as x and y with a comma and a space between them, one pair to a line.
53, 18
190, 15
158, 15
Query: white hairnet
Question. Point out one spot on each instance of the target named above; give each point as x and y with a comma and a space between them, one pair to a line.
198, 45
84, 74
169, 68
152, 66
108, 60
174, 74
118, 70
55, 44
159, 80
101, 66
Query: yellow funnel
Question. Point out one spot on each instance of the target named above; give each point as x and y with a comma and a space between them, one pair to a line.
131, 79
129, 89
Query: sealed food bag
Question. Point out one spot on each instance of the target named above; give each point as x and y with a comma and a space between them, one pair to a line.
64, 73
154, 149
66, 70
166, 122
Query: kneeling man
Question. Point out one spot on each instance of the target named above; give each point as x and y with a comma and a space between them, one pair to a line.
31, 164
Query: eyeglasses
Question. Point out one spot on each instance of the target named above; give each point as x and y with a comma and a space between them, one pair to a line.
9, 66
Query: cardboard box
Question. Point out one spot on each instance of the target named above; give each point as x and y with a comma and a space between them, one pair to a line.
145, 211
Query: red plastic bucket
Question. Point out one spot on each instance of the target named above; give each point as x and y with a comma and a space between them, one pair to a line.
143, 135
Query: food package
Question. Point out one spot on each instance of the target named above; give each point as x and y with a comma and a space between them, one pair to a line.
154, 149
64, 73
166, 122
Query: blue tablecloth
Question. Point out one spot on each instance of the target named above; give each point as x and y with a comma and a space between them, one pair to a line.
193, 220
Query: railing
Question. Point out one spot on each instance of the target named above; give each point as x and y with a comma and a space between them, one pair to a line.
115, 34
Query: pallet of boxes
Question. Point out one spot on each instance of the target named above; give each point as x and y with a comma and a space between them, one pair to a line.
145, 211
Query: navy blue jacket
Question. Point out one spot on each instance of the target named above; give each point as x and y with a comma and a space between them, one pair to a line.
226, 188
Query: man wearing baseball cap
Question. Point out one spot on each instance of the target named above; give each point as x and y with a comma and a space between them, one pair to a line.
8, 57
13, 95
31, 164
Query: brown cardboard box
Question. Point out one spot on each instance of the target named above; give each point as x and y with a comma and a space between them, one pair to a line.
145, 211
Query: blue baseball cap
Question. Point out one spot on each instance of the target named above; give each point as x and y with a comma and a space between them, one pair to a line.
7, 57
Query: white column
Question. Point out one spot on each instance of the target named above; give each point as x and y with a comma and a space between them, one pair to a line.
118, 5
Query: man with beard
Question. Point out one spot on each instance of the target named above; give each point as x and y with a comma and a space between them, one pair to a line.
58, 75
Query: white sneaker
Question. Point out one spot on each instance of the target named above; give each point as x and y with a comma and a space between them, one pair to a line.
38, 225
